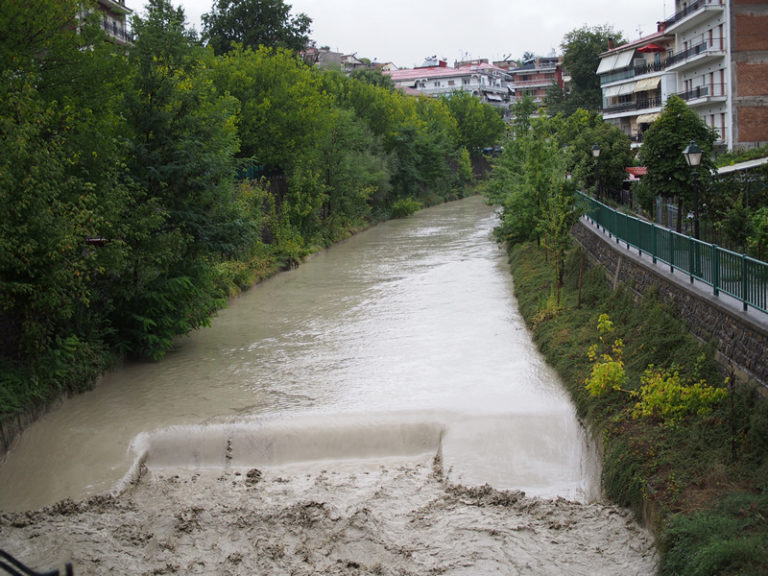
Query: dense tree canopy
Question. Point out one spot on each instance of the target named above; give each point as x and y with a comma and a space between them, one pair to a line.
141, 186
662, 153
255, 23
581, 57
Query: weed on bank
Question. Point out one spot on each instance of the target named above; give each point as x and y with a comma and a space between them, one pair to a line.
685, 445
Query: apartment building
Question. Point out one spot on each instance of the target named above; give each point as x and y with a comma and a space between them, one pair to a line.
534, 77
636, 83
114, 15
711, 53
435, 78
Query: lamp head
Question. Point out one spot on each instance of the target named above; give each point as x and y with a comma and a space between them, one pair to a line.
596, 150
692, 154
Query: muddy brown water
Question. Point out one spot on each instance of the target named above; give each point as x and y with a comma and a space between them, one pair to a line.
404, 339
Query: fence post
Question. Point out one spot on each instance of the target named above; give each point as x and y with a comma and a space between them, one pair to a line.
653, 242
715, 269
744, 281
691, 258
671, 253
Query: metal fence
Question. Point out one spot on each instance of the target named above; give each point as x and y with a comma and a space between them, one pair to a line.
737, 275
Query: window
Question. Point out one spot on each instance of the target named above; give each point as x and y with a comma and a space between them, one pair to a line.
451, 83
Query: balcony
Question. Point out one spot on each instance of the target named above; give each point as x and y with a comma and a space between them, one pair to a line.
697, 55
704, 94
643, 104
693, 14
117, 32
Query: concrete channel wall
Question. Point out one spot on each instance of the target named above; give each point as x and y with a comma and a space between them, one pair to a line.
741, 338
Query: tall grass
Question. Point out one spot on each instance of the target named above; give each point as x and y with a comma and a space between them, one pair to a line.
697, 484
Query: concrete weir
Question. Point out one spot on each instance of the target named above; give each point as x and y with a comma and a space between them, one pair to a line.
272, 443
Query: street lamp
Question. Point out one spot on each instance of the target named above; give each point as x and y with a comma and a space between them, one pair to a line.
693, 155
596, 156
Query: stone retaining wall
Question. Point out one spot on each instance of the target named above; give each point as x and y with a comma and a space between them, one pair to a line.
742, 342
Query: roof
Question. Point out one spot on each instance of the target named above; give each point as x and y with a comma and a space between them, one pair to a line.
635, 43
440, 72
742, 166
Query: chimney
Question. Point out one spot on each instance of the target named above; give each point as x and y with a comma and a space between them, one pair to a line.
610, 44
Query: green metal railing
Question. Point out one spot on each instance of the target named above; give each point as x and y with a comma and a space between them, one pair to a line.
737, 275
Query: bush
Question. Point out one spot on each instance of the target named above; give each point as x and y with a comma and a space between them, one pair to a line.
404, 207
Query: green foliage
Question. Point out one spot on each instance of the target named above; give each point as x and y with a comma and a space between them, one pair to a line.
662, 153
608, 373
663, 472
665, 396
479, 124
253, 24
123, 226
581, 57
579, 133
731, 539
736, 156
405, 207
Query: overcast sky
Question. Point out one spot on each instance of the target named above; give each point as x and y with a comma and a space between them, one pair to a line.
407, 31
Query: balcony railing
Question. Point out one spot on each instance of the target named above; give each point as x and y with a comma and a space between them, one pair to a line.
117, 31
690, 9
710, 90
641, 104
639, 70
649, 67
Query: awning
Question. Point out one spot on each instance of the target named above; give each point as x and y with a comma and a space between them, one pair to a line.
647, 118
625, 89
615, 61
647, 84
620, 90
651, 48
607, 64
493, 97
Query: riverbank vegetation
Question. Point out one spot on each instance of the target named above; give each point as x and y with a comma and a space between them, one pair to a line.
684, 444
695, 472
141, 186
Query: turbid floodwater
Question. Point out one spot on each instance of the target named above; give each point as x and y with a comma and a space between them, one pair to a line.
380, 409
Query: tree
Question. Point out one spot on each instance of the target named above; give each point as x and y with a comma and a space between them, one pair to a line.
581, 57
668, 174
579, 133
182, 214
479, 124
374, 77
255, 23
61, 165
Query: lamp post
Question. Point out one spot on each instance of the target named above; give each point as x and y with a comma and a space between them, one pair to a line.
693, 155
596, 156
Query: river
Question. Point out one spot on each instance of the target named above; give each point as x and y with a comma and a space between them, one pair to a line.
379, 409
414, 317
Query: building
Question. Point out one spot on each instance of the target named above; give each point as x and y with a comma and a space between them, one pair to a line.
435, 78
534, 77
713, 55
636, 83
114, 14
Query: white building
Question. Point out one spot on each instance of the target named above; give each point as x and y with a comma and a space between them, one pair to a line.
435, 78
711, 53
